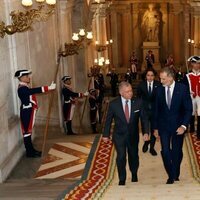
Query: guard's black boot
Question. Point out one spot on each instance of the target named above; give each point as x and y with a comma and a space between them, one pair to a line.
192, 124
94, 130
69, 128
30, 151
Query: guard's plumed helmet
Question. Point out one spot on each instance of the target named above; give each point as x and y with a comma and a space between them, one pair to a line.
22, 72
194, 59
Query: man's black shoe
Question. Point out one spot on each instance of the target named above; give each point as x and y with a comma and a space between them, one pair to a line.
145, 147
134, 178
33, 155
176, 179
153, 152
38, 153
170, 181
71, 133
121, 182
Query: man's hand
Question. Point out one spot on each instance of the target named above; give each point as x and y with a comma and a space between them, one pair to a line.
105, 139
146, 137
155, 133
180, 130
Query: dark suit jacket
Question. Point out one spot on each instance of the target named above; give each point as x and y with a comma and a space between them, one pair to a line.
168, 120
122, 129
142, 92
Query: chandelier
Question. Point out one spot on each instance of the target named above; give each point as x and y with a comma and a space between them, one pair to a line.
22, 21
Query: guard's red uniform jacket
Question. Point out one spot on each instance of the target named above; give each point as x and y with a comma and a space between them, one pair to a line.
28, 106
194, 83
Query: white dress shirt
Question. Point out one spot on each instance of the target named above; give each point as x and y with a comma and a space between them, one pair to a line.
124, 103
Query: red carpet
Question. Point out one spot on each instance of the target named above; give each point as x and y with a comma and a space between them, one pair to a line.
193, 146
99, 176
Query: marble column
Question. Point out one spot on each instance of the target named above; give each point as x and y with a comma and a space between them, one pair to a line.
197, 35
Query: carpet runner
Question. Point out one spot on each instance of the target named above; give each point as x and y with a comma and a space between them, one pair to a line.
193, 147
100, 171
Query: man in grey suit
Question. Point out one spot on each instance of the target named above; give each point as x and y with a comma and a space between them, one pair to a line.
172, 113
126, 113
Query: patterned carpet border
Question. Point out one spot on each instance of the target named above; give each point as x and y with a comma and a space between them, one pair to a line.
99, 176
193, 148
98, 173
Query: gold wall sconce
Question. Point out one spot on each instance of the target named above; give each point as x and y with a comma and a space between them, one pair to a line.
101, 62
22, 21
101, 47
194, 44
80, 41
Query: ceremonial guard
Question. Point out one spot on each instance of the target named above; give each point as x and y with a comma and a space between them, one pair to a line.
69, 102
93, 109
134, 65
192, 79
169, 61
150, 59
28, 108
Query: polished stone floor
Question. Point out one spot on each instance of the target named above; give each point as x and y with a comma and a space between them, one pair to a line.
21, 183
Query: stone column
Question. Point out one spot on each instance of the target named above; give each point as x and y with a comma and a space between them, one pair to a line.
178, 34
126, 38
114, 32
197, 31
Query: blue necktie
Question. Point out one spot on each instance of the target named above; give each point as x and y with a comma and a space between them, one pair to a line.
169, 98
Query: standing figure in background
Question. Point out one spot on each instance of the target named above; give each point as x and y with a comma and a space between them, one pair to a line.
151, 24
169, 61
128, 76
150, 59
70, 98
192, 80
146, 90
99, 86
93, 109
134, 65
113, 81
28, 108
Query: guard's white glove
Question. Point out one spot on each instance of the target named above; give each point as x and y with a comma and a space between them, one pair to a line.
86, 93
52, 86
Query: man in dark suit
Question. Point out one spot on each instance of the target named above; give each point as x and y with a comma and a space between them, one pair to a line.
146, 91
126, 113
172, 113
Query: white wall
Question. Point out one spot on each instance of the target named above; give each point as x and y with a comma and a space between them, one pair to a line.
35, 50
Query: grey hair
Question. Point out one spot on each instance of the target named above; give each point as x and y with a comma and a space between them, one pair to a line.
124, 84
170, 72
